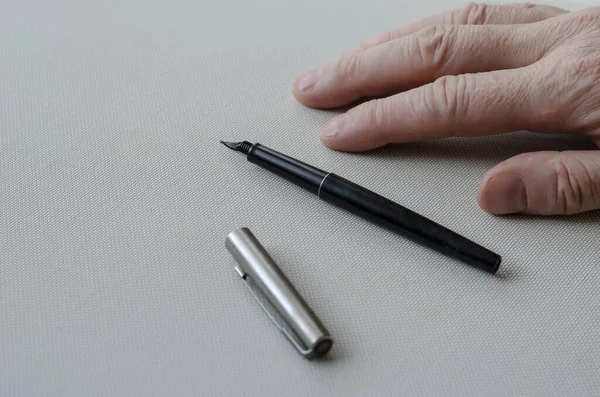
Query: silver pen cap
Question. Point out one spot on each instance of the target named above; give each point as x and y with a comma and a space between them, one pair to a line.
277, 296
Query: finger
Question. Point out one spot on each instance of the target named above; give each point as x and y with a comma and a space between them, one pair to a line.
422, 57
472, 14
465, 105
543, 183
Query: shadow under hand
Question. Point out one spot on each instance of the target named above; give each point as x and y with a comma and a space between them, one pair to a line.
584, 218
488, 151
494, 148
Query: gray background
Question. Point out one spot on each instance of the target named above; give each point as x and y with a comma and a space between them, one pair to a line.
115, 199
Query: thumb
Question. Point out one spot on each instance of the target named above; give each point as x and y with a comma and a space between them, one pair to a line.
543, 183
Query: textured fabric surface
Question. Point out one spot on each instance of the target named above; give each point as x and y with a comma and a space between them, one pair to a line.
116, 197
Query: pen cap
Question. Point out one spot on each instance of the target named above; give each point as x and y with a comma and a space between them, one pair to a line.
302, 326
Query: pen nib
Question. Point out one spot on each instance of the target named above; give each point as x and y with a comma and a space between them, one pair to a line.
243, 147
230, 145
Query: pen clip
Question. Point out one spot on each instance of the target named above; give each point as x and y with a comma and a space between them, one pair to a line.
276, 295
273, 315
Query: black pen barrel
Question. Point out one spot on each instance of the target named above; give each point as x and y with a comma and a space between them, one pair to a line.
392, 216
373, 207
304, 175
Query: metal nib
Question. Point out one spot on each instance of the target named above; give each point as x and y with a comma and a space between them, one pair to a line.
243, 147
230, 145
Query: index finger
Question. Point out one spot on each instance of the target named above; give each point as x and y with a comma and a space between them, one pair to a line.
463, 105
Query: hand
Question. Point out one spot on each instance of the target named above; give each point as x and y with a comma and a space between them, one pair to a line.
478, 70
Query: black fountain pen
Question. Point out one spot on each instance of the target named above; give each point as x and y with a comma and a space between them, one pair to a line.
371, 206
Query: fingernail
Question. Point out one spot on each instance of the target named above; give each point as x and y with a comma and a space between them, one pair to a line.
335, 126
308, 80
506, 194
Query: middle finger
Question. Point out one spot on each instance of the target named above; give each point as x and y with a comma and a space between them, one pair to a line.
421, 58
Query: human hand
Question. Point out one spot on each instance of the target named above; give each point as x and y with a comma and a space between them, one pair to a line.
478, 70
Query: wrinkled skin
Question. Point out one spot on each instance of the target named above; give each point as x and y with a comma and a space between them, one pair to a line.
475, 71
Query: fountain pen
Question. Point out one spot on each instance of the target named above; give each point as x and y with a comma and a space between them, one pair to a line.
371, 206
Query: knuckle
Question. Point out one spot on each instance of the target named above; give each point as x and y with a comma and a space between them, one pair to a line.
567, 197
556, 89
587, 67
470, 14
572, 84
573, 24
476, 13
377, 112
385, 36
376, 115
350, 66
583, 19
576, 186
433, 44
448, 97
526, 5
571, 30
544, 11
535, 12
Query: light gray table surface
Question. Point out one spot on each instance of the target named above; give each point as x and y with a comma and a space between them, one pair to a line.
116, 197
